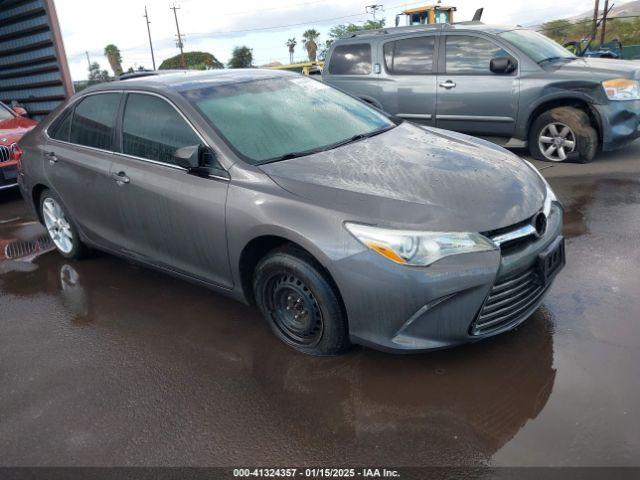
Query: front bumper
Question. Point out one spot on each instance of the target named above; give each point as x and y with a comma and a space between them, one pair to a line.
620, 123
8, 176
399, 309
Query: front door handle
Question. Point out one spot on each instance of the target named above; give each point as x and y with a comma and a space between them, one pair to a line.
121, 178
448, 84
52, 158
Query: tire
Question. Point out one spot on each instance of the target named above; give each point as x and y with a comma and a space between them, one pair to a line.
301, 306
60, 227
563, 134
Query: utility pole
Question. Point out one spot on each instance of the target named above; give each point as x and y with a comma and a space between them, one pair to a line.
372, 9
596, 12
179, 42
88, 60
146, 16
604, 21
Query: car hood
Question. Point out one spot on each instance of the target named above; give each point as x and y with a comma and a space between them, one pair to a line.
12, 129
604, 68
417, 177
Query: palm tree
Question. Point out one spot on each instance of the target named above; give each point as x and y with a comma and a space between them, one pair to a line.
291, 43
115, 59
310, 37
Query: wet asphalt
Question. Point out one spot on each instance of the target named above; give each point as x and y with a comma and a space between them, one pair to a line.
105, 363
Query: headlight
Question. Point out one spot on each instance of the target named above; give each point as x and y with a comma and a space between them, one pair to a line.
418, 248
622, 89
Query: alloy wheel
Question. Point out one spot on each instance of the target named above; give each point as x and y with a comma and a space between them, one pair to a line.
294, 310
57, 225
556, 141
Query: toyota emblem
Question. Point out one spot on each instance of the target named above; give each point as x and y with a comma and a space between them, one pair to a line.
540, 224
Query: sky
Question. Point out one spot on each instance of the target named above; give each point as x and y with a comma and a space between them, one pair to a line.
218, 26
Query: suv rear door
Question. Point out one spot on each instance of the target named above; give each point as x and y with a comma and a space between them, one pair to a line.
472, 99
410, 66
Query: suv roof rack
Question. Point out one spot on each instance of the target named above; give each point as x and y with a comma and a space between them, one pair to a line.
409, 29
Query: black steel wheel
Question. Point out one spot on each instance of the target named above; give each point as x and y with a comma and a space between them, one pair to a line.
294, 309
300, 303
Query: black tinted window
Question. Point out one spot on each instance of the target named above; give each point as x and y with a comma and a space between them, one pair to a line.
153, 129
62, 127
94, 119
411, 56
471, 54
354, 59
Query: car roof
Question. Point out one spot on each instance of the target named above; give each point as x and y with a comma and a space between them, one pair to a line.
186, 79
440, 27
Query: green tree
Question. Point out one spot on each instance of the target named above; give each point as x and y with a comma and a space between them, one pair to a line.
291, 43
96, 75
347, 28
241, 57
115, 59
309, 40
558, 30
193, 61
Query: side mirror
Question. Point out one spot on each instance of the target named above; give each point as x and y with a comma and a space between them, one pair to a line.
188, 157
503, 65
20, 111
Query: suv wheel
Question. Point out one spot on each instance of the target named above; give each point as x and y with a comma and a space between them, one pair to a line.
563, 134
60, 227
300, 305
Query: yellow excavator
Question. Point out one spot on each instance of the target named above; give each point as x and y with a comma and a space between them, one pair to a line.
429, 15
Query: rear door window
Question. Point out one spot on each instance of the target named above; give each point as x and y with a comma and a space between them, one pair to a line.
410, 56
154, 130
471, 55
94, 120
351, 59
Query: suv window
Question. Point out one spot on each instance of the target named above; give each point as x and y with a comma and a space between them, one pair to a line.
466, 54
351, 59
94, 120
153, 129
410, 56
62, 127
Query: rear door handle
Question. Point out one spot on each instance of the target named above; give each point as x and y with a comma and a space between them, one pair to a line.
121, 178
448, 84
52, 158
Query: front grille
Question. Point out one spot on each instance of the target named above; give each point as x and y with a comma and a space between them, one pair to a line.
5, 153
508, 301
514, 237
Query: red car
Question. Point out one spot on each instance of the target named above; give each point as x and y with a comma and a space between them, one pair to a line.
13, 125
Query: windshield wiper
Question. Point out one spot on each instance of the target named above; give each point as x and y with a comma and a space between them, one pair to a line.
304, 153
554, 59
358, 137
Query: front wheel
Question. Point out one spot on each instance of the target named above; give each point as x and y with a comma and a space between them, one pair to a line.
60, 227
563, 134
300, 304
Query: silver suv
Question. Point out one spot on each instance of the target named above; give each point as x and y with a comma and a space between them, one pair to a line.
512, 86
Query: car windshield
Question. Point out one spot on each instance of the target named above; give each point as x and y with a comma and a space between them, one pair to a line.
536, 45
5, 114
277, 118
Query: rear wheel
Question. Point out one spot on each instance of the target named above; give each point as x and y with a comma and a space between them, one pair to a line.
563, 134
60, 227
299, 303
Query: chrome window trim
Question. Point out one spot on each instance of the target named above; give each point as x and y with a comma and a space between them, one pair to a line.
148, 160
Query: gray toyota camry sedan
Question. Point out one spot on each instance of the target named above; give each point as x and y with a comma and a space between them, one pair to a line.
342, 224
